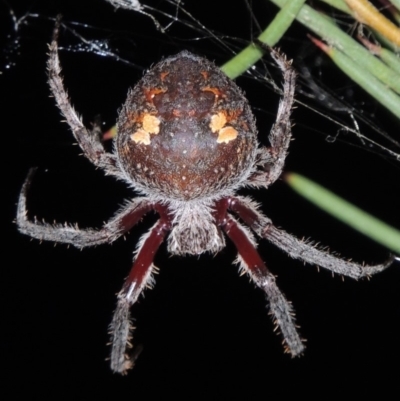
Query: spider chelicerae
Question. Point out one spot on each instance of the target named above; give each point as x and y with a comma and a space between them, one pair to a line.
187, 142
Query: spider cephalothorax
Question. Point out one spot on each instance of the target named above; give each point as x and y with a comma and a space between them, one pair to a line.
187, 141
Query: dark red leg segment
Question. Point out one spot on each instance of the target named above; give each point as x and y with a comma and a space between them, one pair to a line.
139, 277
126, 222
252, 263
148, 247
244, 245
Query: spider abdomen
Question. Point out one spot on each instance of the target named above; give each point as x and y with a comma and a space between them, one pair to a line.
186, 131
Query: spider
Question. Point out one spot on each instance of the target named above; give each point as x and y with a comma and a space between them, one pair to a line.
187, 142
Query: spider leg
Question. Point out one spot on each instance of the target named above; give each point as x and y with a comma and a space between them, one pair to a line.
308, 253
139, 277
117, 226
298, 249
271, 160
88, 140
251, 262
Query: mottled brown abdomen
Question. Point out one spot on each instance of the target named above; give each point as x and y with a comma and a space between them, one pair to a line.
186, 130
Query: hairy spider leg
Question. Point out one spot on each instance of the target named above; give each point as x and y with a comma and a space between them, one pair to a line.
308, 253
117, 226
138, 279
88, 140
272, 159
300, 249
252, 264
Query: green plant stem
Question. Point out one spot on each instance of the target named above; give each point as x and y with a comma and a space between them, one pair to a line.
345, 211
270, 36
363, 78
327, 30
339, 5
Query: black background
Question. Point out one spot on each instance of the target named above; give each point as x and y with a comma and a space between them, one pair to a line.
204, 329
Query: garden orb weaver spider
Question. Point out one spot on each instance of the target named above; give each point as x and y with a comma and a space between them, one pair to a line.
186, 142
